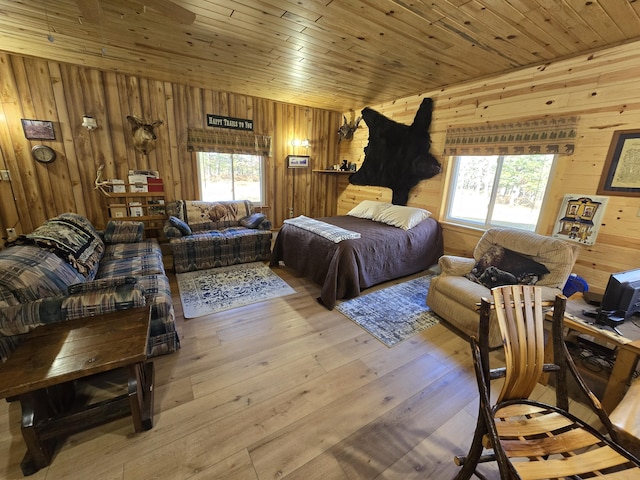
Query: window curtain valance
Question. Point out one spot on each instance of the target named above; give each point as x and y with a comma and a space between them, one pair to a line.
228, 141
545, 135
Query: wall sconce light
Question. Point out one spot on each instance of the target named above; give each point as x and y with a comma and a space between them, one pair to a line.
300, 143
89, 122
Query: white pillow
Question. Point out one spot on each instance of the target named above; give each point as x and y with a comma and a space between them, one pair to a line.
368, 209
401, 216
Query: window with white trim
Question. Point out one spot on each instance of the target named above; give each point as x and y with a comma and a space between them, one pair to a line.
231, 176
498, 190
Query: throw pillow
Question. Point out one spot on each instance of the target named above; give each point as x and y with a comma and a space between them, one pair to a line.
402, 217
501, 266
122, 231
180, 225
252, 221
368, 209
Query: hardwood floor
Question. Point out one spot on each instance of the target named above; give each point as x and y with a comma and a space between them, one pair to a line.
283, 389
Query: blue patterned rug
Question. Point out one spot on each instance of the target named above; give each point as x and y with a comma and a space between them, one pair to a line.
209, 291
395, 313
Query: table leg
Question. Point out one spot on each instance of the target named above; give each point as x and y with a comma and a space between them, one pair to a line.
619, 379
39, 407
141, 379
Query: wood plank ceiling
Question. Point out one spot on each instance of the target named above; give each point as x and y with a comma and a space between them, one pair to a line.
333, 54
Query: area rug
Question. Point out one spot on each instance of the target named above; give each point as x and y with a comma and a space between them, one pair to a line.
395, 313
209, 291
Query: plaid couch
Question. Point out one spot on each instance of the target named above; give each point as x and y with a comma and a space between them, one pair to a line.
65, 269
214, 234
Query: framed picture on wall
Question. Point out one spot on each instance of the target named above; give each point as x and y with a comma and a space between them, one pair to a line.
38, 129
298, 161
580, 217
621, 173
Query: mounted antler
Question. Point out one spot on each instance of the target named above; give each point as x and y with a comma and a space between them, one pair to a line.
346, 131
103, 186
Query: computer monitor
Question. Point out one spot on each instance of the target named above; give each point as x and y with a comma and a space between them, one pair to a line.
621, 298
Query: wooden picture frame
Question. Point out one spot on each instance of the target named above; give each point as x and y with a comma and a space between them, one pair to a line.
298, 161
38, 129
619, 175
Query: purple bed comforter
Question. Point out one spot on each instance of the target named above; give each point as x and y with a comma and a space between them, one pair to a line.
343, 269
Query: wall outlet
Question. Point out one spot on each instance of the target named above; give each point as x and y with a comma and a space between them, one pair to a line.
4, 175
11, 233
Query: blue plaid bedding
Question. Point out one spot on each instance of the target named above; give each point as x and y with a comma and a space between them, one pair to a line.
326, 230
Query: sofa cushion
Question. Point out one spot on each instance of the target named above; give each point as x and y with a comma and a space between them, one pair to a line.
72, 238
127, 267
120, 231
501, 266
180, 225
119, 251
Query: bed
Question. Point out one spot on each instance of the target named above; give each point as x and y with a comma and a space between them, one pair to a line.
343, 269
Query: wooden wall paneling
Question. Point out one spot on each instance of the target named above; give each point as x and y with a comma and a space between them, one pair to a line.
159, 107
9, 109
282, 189
114, 121
76, 82
33, 208
67, 158
101, 141
8, 214
183, 157
170, 170
129, 105
54, 175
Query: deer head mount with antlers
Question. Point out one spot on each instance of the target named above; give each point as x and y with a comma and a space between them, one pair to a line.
144, 138
346, 131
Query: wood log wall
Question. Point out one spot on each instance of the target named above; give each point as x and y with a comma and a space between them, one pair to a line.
40, 89
601, 88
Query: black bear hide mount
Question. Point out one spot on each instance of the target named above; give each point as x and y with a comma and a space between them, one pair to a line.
397, 156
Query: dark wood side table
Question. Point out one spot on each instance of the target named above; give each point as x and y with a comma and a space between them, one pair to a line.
42, 373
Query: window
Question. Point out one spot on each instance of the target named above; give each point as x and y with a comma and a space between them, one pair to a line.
499, 191
231, 176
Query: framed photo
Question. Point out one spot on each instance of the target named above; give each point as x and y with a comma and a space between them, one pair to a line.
580, 217
621, 173
38, 129
298, 161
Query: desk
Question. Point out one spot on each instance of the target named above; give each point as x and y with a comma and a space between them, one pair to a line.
627, 348
42, 373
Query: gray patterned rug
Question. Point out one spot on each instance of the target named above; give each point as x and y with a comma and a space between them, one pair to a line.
208, 291
395, 313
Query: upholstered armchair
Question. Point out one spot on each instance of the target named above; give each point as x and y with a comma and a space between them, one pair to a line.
456, 292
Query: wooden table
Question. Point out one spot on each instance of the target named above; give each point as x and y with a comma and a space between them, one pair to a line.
44, 372
627, 349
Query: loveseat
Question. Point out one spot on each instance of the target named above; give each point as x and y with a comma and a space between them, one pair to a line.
205, 235
536, 259
65, 269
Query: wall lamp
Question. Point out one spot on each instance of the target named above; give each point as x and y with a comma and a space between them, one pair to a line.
300, 143
89, 122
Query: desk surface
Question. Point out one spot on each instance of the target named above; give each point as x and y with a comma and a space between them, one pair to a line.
65, 351
575, 306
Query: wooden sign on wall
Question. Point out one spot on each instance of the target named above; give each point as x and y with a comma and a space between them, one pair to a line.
229, 122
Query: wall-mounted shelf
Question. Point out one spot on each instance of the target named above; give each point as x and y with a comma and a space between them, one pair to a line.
334, 171
146, 207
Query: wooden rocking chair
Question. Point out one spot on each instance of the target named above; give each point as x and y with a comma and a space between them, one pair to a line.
529, 439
